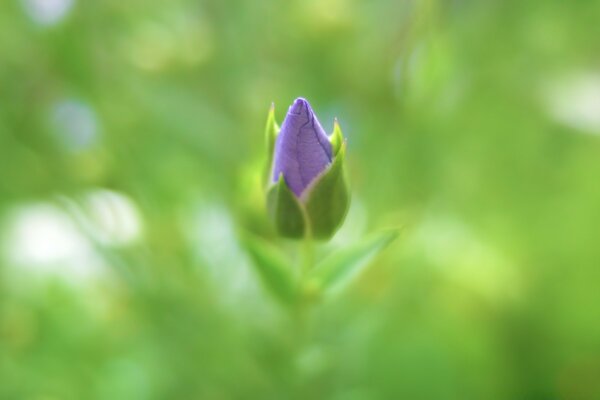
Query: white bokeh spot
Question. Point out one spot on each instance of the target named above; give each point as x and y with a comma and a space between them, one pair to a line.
42, 240
47, 12
574, 101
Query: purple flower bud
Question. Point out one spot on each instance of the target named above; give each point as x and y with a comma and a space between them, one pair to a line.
302, 149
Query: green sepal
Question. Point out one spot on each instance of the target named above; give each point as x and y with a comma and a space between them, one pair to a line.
271, 132
336, 138
286, 211
326, 201
272, 268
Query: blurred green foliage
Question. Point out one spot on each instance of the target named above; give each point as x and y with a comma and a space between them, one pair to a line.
131, 151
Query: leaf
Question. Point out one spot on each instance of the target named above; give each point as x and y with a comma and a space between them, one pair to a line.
337, 270
271, 132
328, 199
286, 211
272, 267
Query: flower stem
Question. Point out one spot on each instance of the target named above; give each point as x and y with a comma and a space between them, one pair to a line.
303, 307
302, 316
308, 258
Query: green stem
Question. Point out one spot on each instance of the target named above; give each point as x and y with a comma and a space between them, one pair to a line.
302, 309
301, 313
308, 258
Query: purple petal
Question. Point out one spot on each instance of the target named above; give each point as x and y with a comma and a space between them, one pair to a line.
302, 149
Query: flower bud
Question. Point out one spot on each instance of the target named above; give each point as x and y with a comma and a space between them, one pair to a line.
307, 192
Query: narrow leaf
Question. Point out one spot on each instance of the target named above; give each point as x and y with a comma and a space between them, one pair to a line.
272, 267
338, 270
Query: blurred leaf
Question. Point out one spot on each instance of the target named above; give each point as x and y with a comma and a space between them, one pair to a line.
337, 270
272, 267
285, 211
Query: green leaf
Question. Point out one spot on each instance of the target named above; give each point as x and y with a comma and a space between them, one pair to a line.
327, 201
272, 267
271, 132
337, 270
286, 211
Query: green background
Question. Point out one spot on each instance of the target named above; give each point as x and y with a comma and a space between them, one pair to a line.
131, 148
